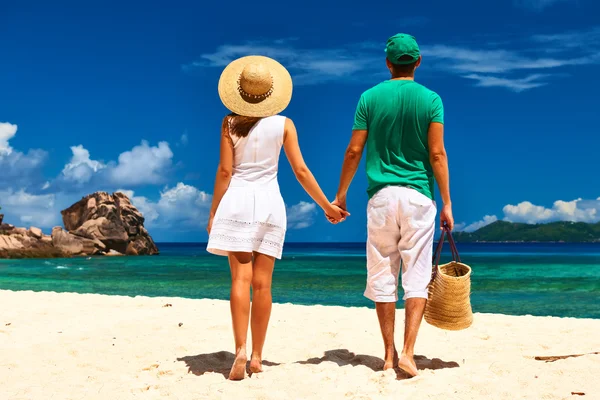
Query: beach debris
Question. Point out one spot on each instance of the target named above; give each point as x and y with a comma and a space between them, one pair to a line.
165, 373
180, 324
577, 394
556, 358
168, 305
8, 324
153, 366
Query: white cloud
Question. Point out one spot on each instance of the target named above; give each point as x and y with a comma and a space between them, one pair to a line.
81, 169
573, 40
147, 208
26, 208
517, 85
488, 219
7, 132
462, 59
301, 215
183, 140
307, 66
128, 193
16, 166
182, 206
578, 210
460, 227
144, 164
513, 65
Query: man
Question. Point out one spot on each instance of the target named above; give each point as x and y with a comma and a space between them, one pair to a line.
401, 122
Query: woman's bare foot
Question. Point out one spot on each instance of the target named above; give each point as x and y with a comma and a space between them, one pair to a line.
238, 370
407, 364
256, 364
389, 364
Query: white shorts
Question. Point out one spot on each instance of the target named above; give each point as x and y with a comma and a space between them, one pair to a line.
400, 225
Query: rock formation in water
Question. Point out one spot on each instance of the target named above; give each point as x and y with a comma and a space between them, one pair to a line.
98, 224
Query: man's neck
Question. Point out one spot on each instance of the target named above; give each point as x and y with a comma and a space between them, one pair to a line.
403, 78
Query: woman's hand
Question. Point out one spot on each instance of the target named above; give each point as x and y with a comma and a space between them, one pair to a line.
335, 214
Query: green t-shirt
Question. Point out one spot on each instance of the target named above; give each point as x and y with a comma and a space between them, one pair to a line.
397, 114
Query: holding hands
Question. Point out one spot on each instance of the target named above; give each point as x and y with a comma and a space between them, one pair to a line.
337, 211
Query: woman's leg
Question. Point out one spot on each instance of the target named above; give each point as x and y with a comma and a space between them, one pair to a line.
262, 273
239, 301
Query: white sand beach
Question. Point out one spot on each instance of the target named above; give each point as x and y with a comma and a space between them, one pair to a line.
72, 346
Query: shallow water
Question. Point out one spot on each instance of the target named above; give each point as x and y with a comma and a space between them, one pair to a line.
539, 279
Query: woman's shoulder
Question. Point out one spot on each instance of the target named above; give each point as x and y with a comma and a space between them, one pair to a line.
278, 120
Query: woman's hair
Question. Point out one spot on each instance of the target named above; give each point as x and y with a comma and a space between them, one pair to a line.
239, 125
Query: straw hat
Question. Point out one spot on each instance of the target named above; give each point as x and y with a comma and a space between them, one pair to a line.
255, 86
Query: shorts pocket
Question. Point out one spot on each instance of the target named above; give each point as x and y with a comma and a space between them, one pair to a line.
421, 212
378, 211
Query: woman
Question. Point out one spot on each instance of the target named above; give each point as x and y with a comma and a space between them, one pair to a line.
247, 219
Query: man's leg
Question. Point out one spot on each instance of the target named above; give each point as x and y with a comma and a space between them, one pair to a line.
416, 248
414, 308
383, 267
386, 313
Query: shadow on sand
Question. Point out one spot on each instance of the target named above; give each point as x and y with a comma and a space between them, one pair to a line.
219, 362
343, 357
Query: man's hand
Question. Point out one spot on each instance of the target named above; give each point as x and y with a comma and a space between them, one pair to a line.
446, 217
342, 205
340, 202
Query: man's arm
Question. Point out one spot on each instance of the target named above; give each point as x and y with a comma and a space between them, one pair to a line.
439, 162
351, 160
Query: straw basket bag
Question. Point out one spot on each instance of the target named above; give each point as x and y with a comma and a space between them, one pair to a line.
449, 304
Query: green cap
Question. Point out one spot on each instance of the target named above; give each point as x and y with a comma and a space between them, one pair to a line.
402, 45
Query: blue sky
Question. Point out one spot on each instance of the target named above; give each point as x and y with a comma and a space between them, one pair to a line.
123, 96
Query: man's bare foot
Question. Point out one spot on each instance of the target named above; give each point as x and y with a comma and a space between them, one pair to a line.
389, 364
407, 364
256, 364
238, 370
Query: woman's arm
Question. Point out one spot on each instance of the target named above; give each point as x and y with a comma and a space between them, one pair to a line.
223, 171
303, 174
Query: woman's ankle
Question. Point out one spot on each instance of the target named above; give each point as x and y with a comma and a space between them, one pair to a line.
240, 350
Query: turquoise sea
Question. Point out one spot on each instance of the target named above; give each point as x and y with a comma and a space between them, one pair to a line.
539, 279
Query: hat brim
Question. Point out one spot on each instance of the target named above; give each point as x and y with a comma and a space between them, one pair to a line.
272, 105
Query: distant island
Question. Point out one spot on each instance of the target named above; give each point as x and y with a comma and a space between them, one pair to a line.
502, 231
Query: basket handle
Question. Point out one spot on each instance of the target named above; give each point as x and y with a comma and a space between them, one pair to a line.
438, 250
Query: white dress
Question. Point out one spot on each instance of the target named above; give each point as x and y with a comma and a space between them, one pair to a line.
251, 215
